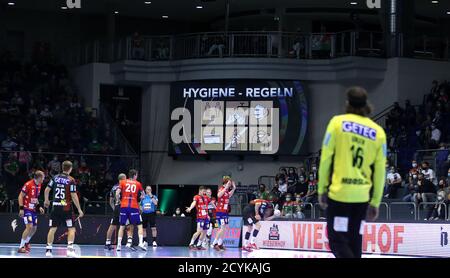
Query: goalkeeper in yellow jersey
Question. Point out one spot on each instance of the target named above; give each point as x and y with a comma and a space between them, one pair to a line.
351, 174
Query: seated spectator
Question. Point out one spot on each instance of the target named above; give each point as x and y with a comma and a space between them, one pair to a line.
262, 192
287, 210
178, 213
9, 144
435, 137
298, 206
412, 188
292, 177
426, 190
218, 44
282, 186
438, 210
415, 170
311, 195
275, 194
394, 183
428, 172
314, 171
301, 187
162, 50
299, 46
137, 47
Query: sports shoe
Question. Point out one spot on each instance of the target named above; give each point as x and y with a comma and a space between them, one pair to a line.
107, 247
143, 247
217, 248
145, 243
201, 248
22, 250
155, 244
192, 247
71, 253
253, 246
222, 247
28, 246
247, 248
48, 253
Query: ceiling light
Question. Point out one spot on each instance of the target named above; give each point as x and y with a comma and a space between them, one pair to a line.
199, 7
353, 3
147, 2
435, 2
63, 8
116, 12
165, 16
11, 3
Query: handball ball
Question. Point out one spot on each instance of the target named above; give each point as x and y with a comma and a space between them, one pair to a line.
277, 212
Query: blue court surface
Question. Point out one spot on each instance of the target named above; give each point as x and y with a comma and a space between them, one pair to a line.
97, 251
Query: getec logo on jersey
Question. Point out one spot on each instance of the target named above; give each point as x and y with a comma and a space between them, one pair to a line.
359, 129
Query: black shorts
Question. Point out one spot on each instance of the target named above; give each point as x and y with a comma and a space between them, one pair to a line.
149, 218
59, 217
249, 216
116, 216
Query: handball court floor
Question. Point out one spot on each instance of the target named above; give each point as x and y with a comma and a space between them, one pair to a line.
97, 251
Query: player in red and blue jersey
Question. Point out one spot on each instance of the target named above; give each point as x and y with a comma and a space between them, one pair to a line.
226, 190
128, 193
200, 202
28, 205
254, 212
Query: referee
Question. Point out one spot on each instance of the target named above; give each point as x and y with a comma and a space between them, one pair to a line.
351, 174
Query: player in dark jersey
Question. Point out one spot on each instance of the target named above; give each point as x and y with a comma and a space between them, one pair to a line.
116, 213
28, 205
200, 202
64, 192
254, 212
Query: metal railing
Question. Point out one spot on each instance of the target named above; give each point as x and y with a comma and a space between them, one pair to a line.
231, 44
403, 204
425, 204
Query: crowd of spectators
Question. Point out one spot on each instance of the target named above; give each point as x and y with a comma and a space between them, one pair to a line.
43, 122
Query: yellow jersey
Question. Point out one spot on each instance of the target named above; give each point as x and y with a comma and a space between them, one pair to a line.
353, 160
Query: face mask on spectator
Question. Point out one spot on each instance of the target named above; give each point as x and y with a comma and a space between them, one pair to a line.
178, 211
302, 179
288, 199
314, 168
311, 178
414, 165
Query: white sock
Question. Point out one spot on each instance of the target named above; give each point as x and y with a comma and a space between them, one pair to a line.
22, 243
215, 241
27, 240
252, 240
245, 242
119, 241
49, 247
199, 242
220, 241
192, 241
108, 242
141, 239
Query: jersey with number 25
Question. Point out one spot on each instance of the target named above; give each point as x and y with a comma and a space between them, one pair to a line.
130, 190
354, 156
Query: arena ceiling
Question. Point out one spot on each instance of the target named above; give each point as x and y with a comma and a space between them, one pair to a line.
188, 10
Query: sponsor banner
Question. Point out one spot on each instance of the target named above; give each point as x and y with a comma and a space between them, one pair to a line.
410, 239
91, 229
232, 233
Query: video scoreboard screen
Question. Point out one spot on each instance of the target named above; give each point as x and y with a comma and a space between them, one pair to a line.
237, 116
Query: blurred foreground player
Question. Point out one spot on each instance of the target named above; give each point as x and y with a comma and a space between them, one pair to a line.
64, 191
200, 202
130, 190
28, 205
354, 157
114, 203
226, 190
254, 212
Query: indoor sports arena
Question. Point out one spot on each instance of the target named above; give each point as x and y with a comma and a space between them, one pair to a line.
224, 129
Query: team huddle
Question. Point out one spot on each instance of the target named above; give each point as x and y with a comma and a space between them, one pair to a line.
133, 206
